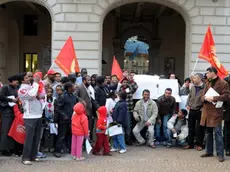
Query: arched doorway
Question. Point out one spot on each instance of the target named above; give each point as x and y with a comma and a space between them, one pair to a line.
136, 56
25, 37
162, 26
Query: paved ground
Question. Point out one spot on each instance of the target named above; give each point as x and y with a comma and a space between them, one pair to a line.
137, 159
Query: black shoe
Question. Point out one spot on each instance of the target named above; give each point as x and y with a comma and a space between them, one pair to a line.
227, 153
6, 153
57, 155
206, 155
129, 143
140, 144
221, 158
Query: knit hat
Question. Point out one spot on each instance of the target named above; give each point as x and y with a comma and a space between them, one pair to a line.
39, 74
185, 112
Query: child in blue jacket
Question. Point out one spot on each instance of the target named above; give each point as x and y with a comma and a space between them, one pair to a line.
120, 116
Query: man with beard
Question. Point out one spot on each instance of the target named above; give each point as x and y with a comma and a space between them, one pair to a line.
83, 72
108, 79
212, 113
50, 78
93, 80
101, 91
86, 92
8, 94
114, 83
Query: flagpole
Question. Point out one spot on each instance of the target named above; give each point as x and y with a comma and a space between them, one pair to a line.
197, 59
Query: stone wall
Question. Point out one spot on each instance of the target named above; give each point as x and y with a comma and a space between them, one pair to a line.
83, 20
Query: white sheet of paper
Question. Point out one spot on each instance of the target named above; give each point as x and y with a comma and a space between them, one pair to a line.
115, 130
211, 93
11, 104
92, 92
175, 135
219, 104
88, 146
53, 129
109, 120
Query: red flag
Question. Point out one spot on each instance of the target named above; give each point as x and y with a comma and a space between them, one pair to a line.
66, 59
208, 53
116, 69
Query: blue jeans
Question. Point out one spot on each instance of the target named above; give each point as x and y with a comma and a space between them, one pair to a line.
170, 137
164, 121
218, 140
119, 142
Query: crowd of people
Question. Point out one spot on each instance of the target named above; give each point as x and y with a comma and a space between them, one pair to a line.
57, 114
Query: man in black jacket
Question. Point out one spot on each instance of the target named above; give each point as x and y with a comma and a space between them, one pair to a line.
166, 108
101, 91
8, 94
64, 109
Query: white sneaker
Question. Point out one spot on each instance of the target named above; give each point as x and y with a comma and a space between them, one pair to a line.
80, 159
122, 151
27, 162
74, 157
113, 150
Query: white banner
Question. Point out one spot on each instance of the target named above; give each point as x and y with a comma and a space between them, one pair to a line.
156, 86
182, 104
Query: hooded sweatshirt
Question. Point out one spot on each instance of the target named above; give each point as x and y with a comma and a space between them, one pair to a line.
31, 105
79, 121
102, 120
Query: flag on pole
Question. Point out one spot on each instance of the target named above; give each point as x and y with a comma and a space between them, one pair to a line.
66, 62
116, 69
208, 53
131, 57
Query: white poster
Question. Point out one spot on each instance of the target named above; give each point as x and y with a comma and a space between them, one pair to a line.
182, 104
156, 86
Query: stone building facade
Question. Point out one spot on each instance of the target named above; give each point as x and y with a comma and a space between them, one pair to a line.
84, 19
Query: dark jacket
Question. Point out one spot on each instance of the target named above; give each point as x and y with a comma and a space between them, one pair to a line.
227, 111
6, 91
227, 104
113, 87
212, 116
82, 93
101, 94
184, 91
166, 106
120, 113
64, 106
